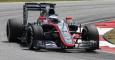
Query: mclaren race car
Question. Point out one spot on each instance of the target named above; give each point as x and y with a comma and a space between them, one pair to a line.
51, 32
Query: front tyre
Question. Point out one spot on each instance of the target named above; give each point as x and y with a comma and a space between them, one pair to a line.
34, 34
90, 34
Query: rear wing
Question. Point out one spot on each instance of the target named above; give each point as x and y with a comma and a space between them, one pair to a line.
38, 6
34, 7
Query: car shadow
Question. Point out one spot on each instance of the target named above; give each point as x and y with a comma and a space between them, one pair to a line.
5, 41
64, 51
73, 51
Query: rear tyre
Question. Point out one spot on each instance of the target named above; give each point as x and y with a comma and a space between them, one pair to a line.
14, 29
90, 33
34, 34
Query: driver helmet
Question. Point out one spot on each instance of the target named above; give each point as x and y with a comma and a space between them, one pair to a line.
53, 18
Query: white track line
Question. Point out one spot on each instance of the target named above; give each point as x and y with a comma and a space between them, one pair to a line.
105, 43
102, 31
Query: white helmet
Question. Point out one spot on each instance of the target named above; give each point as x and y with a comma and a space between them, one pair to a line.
53, 18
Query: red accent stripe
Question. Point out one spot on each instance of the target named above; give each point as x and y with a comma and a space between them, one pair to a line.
110, 24
108, 49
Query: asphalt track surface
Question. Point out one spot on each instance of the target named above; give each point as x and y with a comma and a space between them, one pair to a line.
84, 12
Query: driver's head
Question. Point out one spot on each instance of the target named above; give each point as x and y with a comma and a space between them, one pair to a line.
53, 18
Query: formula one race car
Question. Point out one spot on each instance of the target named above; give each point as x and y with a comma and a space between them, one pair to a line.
51, 32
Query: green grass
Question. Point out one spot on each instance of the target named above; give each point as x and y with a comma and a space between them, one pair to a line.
33, 0
110, 36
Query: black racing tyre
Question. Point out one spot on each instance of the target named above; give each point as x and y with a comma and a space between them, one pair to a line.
14, 29
90, 33
34, 33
